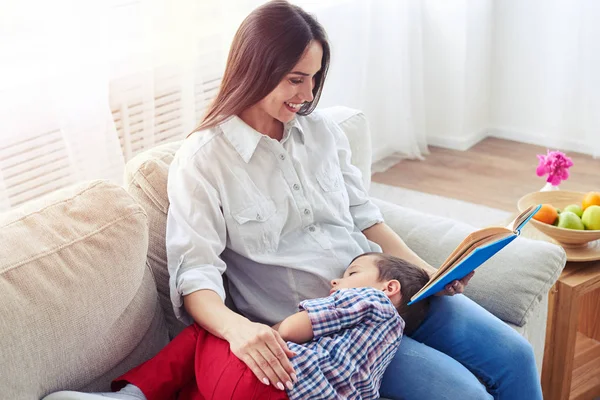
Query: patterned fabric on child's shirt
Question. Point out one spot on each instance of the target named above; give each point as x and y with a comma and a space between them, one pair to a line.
356, 334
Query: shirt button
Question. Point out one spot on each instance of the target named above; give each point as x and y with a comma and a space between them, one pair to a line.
306, 211
282, 157
296, 186
311, 228
258, 217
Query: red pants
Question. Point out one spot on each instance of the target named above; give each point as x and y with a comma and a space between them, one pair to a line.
197, 366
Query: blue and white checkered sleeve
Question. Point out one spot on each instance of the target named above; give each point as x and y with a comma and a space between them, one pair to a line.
347, 308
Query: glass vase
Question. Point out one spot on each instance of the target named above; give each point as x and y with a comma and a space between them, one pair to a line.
549, 187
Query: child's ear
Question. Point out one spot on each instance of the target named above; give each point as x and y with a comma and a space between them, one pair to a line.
392, 287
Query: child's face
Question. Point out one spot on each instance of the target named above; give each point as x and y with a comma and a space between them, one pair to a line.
363, 272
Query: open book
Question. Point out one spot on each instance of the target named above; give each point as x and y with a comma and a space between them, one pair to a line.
473, 251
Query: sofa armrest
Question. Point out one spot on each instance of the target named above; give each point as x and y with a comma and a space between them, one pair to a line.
509, 285
535, 330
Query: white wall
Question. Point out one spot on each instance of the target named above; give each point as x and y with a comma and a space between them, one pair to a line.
519, 70
479, 24
545, 64
457, 38
444, 48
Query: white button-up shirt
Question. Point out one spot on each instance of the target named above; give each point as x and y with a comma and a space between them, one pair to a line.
281, 218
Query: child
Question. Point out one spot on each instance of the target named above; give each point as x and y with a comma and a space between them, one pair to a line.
343, 344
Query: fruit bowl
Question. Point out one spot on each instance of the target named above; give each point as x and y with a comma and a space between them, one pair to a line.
559, 199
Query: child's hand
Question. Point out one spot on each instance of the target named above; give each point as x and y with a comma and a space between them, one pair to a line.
263, 350
456, 287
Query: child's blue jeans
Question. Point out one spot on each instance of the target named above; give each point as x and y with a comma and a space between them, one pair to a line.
457, 347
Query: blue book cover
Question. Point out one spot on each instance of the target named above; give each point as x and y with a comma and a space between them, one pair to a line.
474, 251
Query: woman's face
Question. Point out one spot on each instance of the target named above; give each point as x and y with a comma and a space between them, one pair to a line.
296, 87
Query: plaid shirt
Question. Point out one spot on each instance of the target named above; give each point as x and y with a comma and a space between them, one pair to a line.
356, 334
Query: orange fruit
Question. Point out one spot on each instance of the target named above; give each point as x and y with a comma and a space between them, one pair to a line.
590, 199
546, 214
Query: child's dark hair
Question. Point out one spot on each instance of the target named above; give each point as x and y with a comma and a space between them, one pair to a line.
412, 279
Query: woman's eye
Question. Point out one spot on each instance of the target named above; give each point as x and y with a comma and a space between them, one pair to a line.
296, 81
351, 273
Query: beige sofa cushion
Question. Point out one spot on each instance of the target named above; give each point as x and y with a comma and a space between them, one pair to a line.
75, 291
510, 285
146, 180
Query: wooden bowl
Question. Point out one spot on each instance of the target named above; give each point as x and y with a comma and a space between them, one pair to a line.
559, 199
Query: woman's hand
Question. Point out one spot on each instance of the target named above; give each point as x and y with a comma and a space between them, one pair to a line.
456, 287
263, 350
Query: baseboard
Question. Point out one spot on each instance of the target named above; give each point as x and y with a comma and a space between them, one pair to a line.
566, 144
461, 144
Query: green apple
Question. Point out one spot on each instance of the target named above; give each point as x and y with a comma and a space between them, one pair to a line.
570, 220
591, 218
574, 208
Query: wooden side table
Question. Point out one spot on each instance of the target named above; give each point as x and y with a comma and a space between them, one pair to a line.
571, 366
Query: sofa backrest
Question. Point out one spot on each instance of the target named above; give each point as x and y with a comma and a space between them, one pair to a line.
146, 180
75, 291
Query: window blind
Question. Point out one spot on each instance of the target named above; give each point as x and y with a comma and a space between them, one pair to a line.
34, 166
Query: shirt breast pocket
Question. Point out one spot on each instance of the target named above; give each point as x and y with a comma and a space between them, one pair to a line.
257, 227
331, 183
330, 180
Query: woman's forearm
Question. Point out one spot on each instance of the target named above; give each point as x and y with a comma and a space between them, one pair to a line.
391, 243
208, 311
251, 342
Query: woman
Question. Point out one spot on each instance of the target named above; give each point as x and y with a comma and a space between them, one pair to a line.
264, 190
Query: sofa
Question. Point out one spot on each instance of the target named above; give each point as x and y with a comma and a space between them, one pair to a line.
84, 284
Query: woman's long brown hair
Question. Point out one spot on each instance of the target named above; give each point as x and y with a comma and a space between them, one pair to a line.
267, 45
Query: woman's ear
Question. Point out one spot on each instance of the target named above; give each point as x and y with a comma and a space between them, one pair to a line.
392, 288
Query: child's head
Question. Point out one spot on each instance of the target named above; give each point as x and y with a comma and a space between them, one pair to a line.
398, 279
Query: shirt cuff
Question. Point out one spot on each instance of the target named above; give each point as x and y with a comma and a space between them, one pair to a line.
366, 215
191, 281
322, 315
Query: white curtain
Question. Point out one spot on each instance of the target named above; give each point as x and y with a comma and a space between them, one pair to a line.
377, 67
85, 85
54, 114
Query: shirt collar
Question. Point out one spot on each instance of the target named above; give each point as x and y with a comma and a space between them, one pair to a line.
244, 138
287, 130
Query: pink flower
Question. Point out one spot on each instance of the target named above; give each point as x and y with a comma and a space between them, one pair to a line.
556, 164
